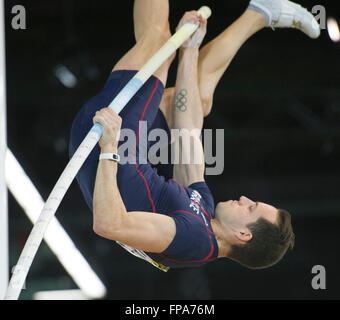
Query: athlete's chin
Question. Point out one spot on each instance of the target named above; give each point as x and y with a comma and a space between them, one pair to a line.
227, 204
222, 207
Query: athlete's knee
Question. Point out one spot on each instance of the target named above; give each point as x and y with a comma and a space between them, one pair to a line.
151, 17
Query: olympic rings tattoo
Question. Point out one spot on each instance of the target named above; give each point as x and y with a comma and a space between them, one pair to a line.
181, 100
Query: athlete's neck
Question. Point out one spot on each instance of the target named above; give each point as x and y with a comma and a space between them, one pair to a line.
223, 245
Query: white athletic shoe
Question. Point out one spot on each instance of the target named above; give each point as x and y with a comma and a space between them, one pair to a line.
287, 14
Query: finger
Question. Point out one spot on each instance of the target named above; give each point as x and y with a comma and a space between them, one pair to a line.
184, 19
203, 24
112, 114
192, 19
101, 113
191, 16
202, 20
196, 17
100, 119
95, 118
109, 111
106, 115
112, 119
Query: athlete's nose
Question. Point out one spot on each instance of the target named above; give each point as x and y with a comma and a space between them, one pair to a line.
244, 200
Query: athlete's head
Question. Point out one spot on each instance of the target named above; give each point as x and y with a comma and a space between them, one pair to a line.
259, 234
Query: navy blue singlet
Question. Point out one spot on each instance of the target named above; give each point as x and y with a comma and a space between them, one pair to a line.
147, 188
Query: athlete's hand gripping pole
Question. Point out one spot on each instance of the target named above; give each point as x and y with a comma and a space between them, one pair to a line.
35, 238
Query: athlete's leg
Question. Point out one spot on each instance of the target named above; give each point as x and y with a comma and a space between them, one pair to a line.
151, 24
216, 56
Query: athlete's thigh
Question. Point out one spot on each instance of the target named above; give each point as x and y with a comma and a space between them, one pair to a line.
142, 107
141, 53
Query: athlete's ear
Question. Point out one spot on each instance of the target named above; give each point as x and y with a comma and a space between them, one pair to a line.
243, 235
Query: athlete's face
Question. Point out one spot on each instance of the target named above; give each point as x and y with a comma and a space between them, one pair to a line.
237, 214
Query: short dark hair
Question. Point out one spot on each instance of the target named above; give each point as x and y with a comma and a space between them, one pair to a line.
268, 244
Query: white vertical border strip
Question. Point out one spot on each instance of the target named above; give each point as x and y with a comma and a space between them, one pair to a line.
3, 147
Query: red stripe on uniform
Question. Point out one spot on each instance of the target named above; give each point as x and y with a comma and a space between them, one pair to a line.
178, 184
192, 261
138, 171
197, 217
206, 213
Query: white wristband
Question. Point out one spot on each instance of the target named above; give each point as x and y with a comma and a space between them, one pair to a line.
109, 156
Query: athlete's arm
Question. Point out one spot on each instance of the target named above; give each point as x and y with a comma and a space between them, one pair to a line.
187, 109
141, 230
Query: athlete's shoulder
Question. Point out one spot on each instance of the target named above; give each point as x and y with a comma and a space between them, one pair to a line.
173, 196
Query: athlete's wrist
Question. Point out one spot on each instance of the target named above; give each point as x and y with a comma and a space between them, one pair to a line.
189, 50
109, 148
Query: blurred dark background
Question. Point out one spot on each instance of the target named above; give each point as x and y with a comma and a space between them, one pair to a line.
279, 104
